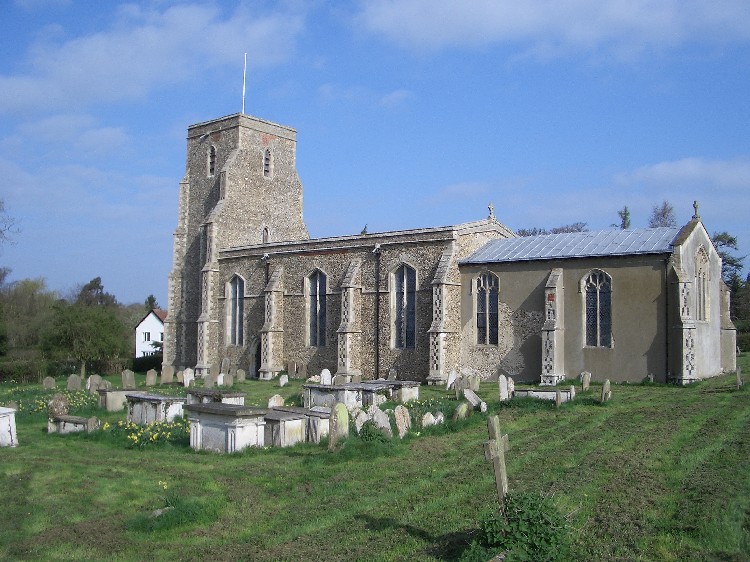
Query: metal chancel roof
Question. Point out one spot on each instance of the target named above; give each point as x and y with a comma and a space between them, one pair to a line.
576, 245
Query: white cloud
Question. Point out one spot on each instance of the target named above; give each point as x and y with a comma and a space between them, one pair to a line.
145, 50
550, 25
690, 172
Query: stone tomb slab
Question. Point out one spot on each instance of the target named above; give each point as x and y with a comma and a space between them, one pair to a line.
360, 394
71, 424
318, 420
144, 408
112, 399
566, 394
226, 428
8, 437
284, 429
211, 395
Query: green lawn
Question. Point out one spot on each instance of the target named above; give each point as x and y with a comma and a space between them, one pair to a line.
659, 473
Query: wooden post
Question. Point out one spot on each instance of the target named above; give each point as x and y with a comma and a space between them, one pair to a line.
494, 451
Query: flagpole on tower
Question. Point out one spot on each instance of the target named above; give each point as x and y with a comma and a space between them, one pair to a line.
244, 72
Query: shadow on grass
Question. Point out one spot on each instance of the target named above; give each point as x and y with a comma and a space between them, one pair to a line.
449, 546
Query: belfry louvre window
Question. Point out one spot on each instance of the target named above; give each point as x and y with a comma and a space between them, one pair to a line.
701, 285
267, 163
317, 302
487, 304
236, 310
597, 287
405, 297
211, 160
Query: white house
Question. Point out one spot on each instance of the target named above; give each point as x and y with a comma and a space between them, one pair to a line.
149, 330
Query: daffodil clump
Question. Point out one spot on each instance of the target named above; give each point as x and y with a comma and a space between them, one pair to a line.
156, 433
33, 401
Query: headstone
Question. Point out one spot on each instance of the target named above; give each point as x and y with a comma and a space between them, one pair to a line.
241, 375
167, 374
357, 379
228, 380
48, 383
315, 379
214, 369
128, 379
558, 398
291, 368
151, 377
502, 383
585, 380
738, 375
325, 377
106, 385
459, 386
381, 420
224, 366
283, 380
209, 381
220, 379
74, 383
494, 451
606, 392
359, 420
572, 391
233, 372
275, 401
452, 376
8, 437
58, 406
340, 379
403, 420
511, 387
474, 400
188, 376
474, 381
93, 382
428, 419
392, 374
651, 377
339, 425
301, 371
462, 411
439, 418
180, 377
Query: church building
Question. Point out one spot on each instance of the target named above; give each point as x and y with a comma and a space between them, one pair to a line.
248, 285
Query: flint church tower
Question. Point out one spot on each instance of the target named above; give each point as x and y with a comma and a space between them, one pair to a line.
240, 188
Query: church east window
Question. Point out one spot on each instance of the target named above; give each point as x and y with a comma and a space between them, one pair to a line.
405, 300
597, 289
267, 163
701, 285
317, 306
487, 305
211, 160
236, 310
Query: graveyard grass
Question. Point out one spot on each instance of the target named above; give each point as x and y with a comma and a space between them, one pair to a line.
658, 473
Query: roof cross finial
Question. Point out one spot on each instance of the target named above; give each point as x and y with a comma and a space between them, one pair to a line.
696, 214
491, 207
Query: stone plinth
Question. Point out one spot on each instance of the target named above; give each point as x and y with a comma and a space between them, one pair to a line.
113, 400
225, 428
145, 408
318, 419
71, 424
360, 394
8, 436
210, 395
284, 429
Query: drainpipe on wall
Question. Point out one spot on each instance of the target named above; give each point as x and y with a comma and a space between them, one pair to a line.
667, 324
376, 251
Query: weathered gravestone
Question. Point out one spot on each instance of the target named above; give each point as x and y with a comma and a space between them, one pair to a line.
225, 365
558, 398
188, 377
474, 381
241, 375
283, 380
585, 381
220, 379
474, 400
359, 420
381, 420
606, 392
105, 385
339, 425
180, 376
291, 368
462, 411
392, 374
92, 383
228, 380
301, 370
325, 377
494, 451
275, 401
48, 383
511, 387
74, 383
151, 377
167, 374
58, 406
128, 379
403, 420
452, 376
502, 383
428, 419
209, 381
439, 418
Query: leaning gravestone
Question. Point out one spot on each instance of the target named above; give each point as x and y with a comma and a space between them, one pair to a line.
241, 375
167, 374
151, 377
462, 411
494, 451
474, 400
48, 383
403, 420
381, 420
225, 365
74, 383
128, 379
452, 376
58, 406
606, 392
325, 377
502, 383
276, 401
283, 380
339, 425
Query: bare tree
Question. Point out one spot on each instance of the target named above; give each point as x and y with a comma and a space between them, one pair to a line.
662, 215
8, 226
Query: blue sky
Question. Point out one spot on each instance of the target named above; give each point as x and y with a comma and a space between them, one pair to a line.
409, 113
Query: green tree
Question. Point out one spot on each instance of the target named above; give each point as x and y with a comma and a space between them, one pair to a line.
150, 303
662, 215
624, 214
536, 231
27, 307
731, 264
93, 294
86, 334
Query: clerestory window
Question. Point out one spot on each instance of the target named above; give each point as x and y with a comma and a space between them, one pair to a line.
597, 288
487, 306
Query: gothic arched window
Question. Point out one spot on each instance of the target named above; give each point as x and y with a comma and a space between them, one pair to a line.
487, 305
265, 235
404, 312
317, 306
701, 285
211, 160
597, 288
236, 310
